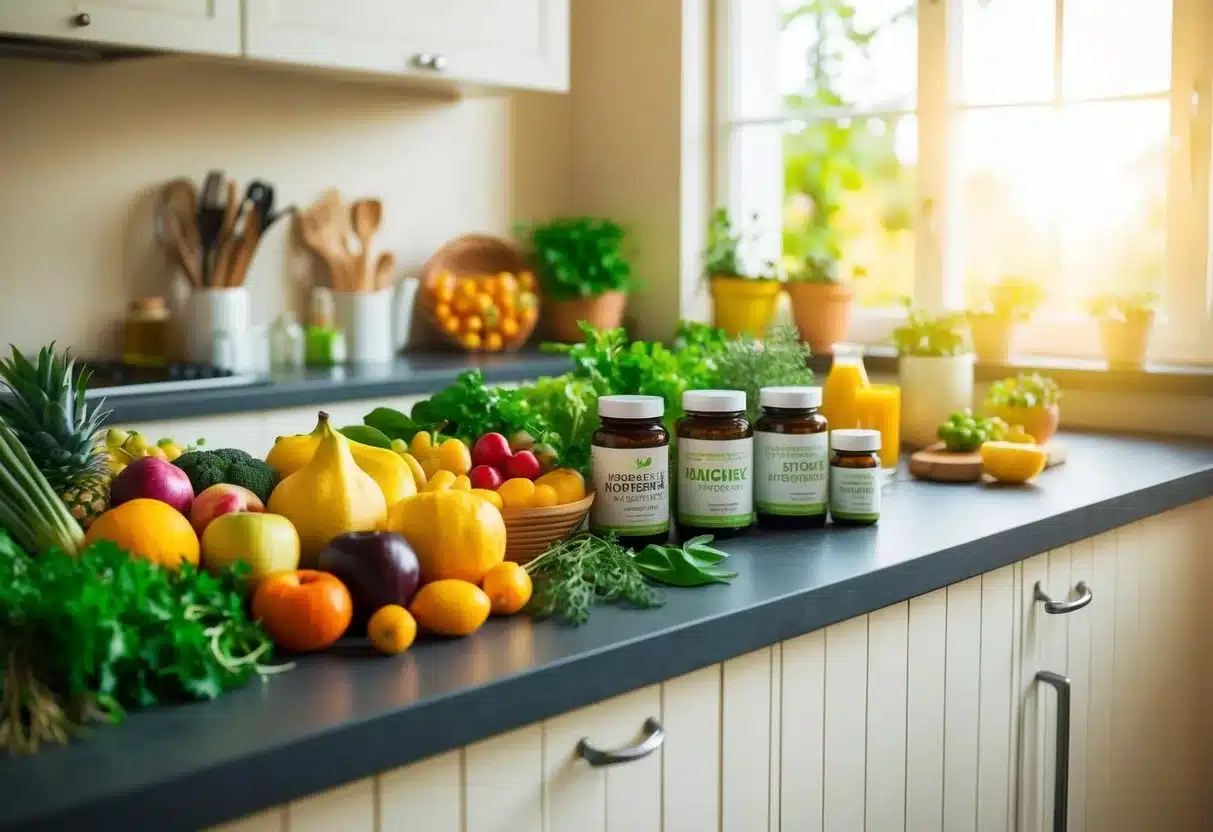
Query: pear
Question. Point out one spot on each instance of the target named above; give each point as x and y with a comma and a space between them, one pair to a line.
329, 496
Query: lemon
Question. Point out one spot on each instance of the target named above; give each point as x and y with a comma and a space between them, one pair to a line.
450, 607
1012, 462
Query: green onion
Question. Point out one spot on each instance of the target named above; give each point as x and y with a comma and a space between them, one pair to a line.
31, 511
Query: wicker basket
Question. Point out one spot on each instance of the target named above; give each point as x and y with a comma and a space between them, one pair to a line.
528, 531
472, 254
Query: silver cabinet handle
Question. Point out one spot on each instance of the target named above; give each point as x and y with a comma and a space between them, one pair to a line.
654, 737
82, 19
431, 60
1062, 607
1061, 766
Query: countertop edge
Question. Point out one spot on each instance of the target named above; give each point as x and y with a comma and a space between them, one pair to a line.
250, 784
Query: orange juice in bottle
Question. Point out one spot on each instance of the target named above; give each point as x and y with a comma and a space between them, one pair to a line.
847, 374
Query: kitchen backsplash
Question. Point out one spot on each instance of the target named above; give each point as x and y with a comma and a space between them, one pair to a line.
86, 147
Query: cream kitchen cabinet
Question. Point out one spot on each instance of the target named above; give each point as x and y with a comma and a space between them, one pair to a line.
198, 26
501, 43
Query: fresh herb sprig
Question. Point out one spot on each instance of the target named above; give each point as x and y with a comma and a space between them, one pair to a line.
576, 573
694, 563
779, 360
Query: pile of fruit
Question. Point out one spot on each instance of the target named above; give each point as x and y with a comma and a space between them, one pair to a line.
1008, 453
484, 312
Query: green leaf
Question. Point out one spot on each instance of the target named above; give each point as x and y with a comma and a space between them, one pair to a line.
367, 435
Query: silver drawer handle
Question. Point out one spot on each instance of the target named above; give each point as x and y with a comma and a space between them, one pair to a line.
654, 737
431, 60
1061, 765
1062, 607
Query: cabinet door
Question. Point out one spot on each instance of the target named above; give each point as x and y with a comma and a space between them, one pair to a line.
509, 43
201, 26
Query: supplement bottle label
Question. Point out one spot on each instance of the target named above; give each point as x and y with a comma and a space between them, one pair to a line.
855, 493
632, 490
715, 482
791, 473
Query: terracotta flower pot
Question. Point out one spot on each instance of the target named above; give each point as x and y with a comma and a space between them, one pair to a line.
744, 305
1038, 422
822, 312
603, 311
1125, 343
992, 336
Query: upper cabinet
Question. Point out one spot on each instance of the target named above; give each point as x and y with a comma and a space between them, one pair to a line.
499, 43
198, 26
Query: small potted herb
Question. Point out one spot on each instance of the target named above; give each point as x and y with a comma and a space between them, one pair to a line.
1125, 322
742, 304
583, 273
1028, 400
936, 372
1007, 303
821, 301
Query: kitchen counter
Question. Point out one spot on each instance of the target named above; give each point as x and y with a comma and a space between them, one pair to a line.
415, 373
349, 714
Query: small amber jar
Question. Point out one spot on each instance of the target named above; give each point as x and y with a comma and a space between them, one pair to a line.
630, 470
715, 464
145, 341
791, 459
855, 477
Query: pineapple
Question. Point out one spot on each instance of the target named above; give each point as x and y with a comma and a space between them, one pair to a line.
48, 414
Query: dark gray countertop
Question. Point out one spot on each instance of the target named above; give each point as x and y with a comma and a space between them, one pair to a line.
350, 714
415, 373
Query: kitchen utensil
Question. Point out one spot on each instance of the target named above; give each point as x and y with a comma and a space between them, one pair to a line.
339, 215
188, 256
227, 235
181, 196
320, 228
210, 222
366, 215
935, 463
248, 244
385, 270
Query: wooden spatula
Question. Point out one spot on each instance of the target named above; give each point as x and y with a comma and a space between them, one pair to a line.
385, 270
319, 233
366, 215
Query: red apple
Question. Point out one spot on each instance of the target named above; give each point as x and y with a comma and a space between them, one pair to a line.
222, 498
155, 479
378, 568
492, 450
523, 464
486, 477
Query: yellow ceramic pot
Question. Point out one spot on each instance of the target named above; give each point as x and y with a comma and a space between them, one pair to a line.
744, 305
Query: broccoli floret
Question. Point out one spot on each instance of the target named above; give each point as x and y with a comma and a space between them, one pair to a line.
230, 465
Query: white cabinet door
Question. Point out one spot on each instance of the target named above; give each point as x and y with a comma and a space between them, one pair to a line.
507, 43
200, 26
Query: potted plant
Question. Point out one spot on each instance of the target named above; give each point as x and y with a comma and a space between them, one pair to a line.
741, 304
582, 272
1125, 322
821, 302
1028, 400
936, 372
1008, 302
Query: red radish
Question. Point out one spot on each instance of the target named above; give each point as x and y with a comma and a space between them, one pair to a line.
156, 479
486, 477
523, 464
493, 450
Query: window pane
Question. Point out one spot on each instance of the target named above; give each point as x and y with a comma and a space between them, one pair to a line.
1116, 47
849, 197
1075, 200
1007, 51
861, 53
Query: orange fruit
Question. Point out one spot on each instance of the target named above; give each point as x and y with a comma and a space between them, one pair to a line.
450, 607
471, 341
462, 305
467, 287
493, 342
544, 496
508, 586
486, 282
472, 323
305, 610
509, 327
526, 281
516, 492
442, 311
484, 301
443, 294
450, 326
148, 529
568, 484
392, 629
507, 285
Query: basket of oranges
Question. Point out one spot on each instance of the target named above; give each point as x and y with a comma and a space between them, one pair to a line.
479, 293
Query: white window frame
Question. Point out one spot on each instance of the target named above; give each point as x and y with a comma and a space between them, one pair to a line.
749, 169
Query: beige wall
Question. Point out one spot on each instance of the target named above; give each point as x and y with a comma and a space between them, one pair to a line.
83, 148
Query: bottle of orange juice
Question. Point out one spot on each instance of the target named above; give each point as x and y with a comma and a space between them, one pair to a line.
847, 374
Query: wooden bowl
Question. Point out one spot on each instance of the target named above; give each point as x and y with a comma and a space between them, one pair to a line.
529, 531
467, 256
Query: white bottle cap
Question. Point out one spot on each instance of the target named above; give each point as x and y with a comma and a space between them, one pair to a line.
790, 398
855, 439
713, 401
631, 407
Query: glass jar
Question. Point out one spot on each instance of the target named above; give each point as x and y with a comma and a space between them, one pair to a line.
855, 476
145, 338
847, 376
791, 459
715, 464
630, 470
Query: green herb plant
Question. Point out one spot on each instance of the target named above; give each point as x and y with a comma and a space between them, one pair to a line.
1025, 390
1012, 298
926, 335
85, 638
1124, 306
818, 268
694, 563
748, 364
723, 252
576, 573
579, 257
964, 432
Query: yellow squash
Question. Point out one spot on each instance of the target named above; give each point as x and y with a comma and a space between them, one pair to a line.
328, 496
455, 534
387, 468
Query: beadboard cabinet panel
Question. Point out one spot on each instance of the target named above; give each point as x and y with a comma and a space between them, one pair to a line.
197, 26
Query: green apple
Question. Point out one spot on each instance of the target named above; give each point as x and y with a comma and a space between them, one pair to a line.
266, 542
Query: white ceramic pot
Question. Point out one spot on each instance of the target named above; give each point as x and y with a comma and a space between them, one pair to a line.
932, 388
366, 319
217, 327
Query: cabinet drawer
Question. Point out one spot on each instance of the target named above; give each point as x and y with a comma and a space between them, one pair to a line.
199, 26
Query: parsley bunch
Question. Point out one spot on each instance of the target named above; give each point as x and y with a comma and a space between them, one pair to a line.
469, 408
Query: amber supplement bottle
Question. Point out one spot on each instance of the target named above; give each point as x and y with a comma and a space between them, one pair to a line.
630, 469
715, 464
791, 459
855, 477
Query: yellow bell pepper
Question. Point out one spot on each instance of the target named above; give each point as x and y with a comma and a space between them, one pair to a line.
449, 455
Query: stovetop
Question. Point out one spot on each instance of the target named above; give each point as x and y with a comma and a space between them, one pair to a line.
115, 378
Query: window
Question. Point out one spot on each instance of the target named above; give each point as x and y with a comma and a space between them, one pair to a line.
932, 148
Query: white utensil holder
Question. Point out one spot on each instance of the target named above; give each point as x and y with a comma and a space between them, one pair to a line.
932, 388
217, 327
366, 319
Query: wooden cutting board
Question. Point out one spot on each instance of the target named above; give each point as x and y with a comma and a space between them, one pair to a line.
934, 463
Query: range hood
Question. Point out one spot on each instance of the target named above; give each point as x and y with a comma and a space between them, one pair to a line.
61, 51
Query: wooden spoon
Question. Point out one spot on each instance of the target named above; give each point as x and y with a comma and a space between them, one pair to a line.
319, 236
385, 270
187, 254
366, 215
247, 245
